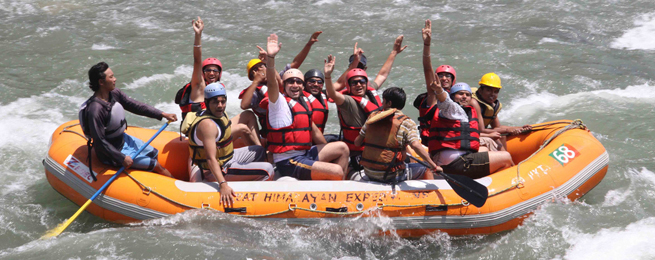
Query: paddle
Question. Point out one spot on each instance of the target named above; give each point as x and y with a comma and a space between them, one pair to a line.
61, 227
467, 188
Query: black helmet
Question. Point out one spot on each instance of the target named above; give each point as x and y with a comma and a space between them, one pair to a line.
314, 73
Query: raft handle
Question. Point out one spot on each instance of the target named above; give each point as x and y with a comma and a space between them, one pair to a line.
313, 206
342, 209
237, 210
429, 208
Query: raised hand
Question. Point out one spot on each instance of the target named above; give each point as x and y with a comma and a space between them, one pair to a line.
329, 65
398, 43
314, 37
262, 53
198, 25
273, 46
427, 32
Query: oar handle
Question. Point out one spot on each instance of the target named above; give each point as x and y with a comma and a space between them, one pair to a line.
446, 176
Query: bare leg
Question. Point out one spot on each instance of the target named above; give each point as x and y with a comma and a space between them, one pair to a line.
327, 171
161, 170
249, 129
499, 160
336, 152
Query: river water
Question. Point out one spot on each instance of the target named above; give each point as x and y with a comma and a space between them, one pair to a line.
558, 59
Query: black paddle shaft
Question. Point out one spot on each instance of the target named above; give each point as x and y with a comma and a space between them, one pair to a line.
467, 188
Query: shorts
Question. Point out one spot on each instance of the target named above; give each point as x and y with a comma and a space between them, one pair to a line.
491, 144
474, 165
299, 167
248, 163
331, 138
412, 171
146, 160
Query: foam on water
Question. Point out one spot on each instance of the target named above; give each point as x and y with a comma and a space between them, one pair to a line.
518, 110
632, 242
642, 37
102, 47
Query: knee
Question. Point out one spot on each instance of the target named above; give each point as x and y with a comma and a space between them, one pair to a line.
248, 116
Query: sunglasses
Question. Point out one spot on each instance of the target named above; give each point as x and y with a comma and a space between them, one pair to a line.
211, 70
354, 82
447, 75
317, 81
294, 80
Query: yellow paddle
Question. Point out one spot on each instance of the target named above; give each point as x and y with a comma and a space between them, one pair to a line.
61, 227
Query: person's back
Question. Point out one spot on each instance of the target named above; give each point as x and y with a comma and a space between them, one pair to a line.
385, 144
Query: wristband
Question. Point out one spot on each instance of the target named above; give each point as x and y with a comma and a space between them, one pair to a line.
272, 57
197, 46
219, 184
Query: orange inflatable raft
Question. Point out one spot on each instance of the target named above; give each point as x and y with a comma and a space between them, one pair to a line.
557, 159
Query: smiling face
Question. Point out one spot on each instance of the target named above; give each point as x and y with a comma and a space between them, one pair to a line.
446, 80
314, 85
358, 85
293, 87
488, 94
211, 73
109, 82
462, 97
217, 105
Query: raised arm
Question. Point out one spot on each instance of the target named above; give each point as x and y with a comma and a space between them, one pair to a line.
432, 85
386, 68
331, 91
297, 61
196, 76
272, 47
341, 82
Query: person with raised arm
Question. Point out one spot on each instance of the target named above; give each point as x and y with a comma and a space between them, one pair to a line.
191, 97
454, 131
291, 130
212, 153
385, 144
102, 118
359, 99
252, 96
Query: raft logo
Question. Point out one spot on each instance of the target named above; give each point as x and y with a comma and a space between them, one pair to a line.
79, 167
564, 154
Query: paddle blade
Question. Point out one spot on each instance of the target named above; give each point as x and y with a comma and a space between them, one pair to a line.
61, 227
467, 188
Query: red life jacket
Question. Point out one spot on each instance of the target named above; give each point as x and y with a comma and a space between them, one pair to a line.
262, 91
298, 135
369, 104
454, 134
424, 117
319, 109
183, 98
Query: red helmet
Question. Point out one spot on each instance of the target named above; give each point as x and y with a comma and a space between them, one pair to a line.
214, 61
354, 73
447, 69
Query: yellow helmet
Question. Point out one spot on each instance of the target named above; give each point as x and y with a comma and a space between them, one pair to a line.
491, 79
252, 63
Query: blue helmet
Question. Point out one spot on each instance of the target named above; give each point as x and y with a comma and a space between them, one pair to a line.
215, 89
459, 87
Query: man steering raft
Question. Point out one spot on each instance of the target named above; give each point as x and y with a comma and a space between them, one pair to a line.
102, 118
210, 145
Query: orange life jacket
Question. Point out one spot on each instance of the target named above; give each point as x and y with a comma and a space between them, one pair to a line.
382, 151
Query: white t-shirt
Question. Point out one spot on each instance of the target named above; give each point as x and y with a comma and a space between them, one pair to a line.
279, 115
